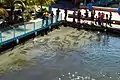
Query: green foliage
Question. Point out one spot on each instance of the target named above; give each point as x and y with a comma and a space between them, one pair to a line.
27, 16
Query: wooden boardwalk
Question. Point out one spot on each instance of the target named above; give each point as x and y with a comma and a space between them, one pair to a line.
91, 27
101, 9
89, 19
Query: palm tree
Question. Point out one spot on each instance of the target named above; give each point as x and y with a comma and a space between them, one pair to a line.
39, 2
11, 4
44, 2
3, 12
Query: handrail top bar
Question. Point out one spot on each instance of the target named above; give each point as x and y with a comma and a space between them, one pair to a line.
108, 9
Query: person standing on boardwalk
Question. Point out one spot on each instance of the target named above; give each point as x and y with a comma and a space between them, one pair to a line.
102, 17
83, 19
86, 14
96, 20
65, 11
74, 16
47, 16
43, 21
92, 16
99, 14
99, 18
110, 18
79, 16
106, 19
57, 14
51, 15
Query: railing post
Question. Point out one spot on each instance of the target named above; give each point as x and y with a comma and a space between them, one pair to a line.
35, 29
61, 16
57, 18
42, 22
13, 32
24, 28
47, 21
34, 26
0, 37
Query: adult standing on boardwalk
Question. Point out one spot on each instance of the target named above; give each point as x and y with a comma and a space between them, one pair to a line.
92, 15
43, 21
51, 15
57, 14
74, 16
86, 14
110, 18
47, 16
102, 17
99, 18
106, 19
65, 11
79, 16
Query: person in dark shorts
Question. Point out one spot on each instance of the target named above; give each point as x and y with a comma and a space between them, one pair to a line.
96, 20
92, 16
74, 16
83, 19
86, 14
99, 21
99, 14
110, 18
57, 14
43, 21
65, 11
79, 16
106, 19
52, 15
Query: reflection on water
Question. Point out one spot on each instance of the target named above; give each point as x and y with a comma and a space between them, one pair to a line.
99, 60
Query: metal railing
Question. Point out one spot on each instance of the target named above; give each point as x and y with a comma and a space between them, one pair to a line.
20, 31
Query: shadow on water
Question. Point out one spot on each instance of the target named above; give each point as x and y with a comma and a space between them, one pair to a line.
96, 61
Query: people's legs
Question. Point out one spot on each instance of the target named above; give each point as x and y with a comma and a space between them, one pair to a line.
78, 20
99, 21
109, 23
57, 17
106, 22
102, 21
96, 22
73, 19
51, 20
65, 17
